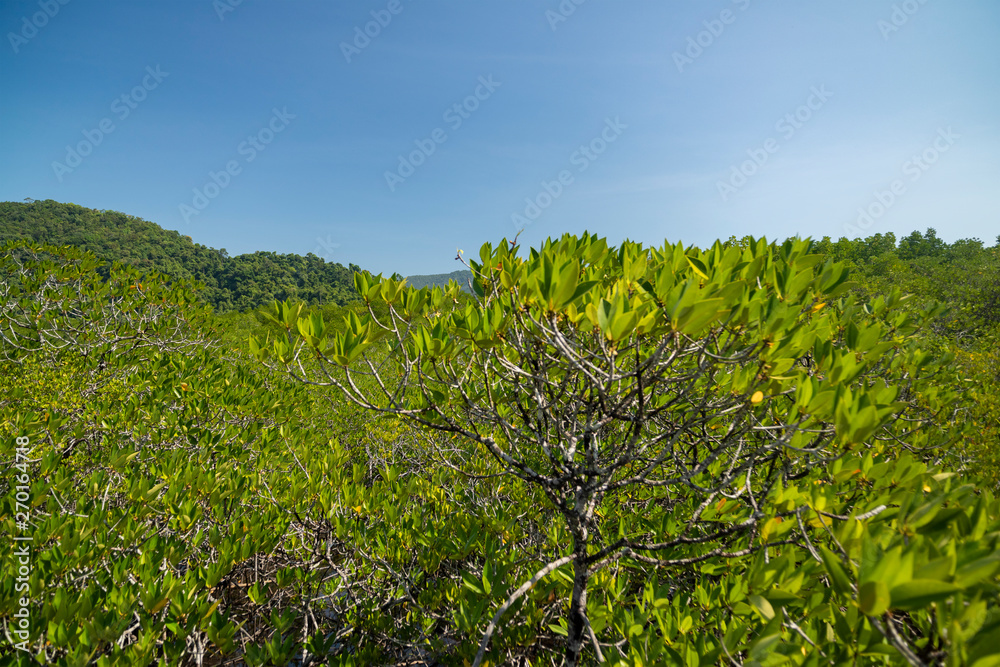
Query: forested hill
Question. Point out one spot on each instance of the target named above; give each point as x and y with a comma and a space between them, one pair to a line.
441, 279
231, 283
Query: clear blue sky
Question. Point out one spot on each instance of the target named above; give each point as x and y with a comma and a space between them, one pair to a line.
667, 123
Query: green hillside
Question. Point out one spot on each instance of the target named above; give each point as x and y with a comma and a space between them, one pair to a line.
231, 283
441, 279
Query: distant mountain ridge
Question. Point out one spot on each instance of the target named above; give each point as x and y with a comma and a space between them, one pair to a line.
240, 283
441, 279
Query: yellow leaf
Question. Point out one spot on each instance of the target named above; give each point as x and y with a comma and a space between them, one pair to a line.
757, 397
818, 307
768, 528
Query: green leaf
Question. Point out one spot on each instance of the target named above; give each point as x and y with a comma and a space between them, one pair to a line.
919, 593
698, 266
763, 647
977, 570
472, 583
488, 578
701, 314
582, 289
762, 606
563, 629
838, 577
734, 635
565, 288
873, 598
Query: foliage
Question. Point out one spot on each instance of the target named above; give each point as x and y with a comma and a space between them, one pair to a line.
185, 506
669, 404
463, 278
142, 524
963, 275
188, 505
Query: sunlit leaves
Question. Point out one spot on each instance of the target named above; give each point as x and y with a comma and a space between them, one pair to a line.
229, 505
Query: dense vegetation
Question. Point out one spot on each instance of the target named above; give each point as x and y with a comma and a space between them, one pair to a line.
965, 277
231, 283
463, 278
753, 454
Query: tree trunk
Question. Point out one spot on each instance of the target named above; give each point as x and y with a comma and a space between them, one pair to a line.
577, 620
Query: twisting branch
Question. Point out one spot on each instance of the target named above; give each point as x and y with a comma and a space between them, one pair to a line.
514, 597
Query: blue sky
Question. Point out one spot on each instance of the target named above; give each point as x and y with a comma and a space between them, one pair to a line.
644, 120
